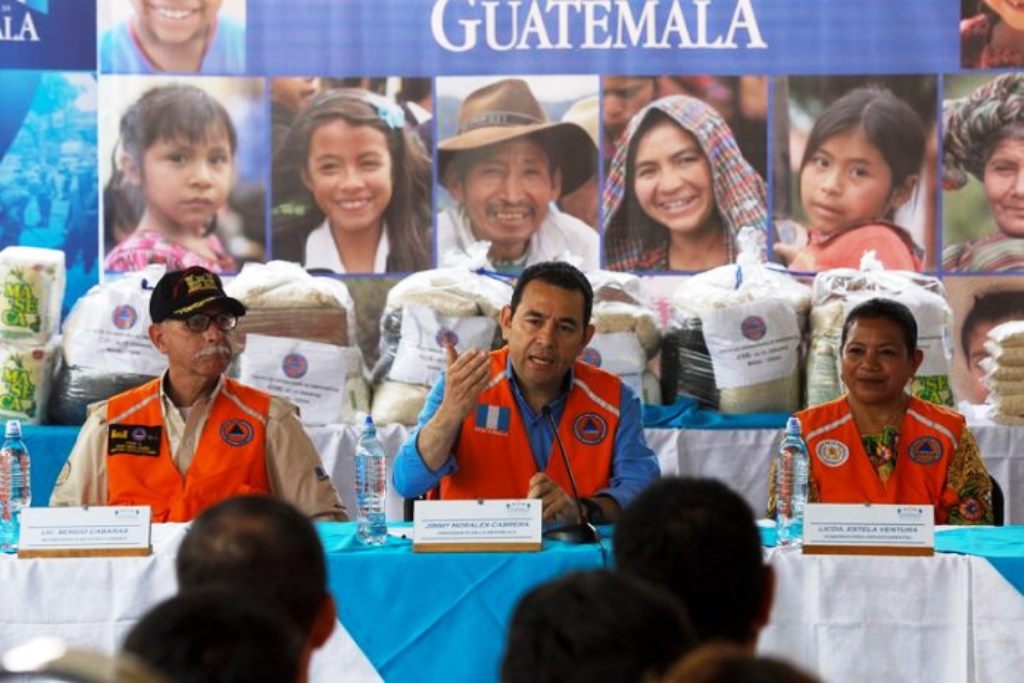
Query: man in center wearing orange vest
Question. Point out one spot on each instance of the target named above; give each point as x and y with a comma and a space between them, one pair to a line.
483, 432
194, 437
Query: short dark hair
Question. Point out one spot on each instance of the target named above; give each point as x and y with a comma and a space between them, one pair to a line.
215, 636
595, 626
259, 545
727, 663
559, 274
991, 307
698, 538
889, 309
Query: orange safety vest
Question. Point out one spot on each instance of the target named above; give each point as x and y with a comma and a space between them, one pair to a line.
230, 457
843, 472
493, 451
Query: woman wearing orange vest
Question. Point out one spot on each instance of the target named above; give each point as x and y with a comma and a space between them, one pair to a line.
878, 444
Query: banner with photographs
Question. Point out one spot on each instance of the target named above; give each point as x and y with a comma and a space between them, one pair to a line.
369, 139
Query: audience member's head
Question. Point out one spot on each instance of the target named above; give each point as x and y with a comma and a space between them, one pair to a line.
261, 546
215, 636
595, 626
727, 663
698, 538
989, 309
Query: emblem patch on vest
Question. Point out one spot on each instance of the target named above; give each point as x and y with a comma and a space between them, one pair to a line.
493, 419
925, 450
590, 428
236, 432
832, 453
133, 440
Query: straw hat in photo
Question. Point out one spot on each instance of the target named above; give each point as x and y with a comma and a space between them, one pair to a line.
507, 110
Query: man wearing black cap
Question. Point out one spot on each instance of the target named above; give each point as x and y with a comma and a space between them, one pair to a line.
194, 437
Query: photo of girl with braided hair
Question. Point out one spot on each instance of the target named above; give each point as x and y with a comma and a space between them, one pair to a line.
984, 138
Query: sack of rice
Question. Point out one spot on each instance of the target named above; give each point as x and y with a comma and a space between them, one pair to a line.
424, 313
738, 331
836, 292
105, 347
32, 281
325, 381
283, 300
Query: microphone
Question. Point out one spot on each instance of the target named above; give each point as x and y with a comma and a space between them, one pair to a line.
584, 532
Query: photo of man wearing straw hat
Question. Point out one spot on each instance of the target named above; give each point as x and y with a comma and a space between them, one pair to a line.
505, 167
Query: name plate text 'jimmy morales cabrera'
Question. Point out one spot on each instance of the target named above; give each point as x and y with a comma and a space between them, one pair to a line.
866, 529
499, 525
99, 531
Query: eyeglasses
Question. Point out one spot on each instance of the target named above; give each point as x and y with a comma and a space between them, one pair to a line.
200, 322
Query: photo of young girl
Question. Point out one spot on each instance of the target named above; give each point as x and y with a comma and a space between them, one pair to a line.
143, 37
983, 173
171, 172
678, 190
991, 34
861, 162
351, 188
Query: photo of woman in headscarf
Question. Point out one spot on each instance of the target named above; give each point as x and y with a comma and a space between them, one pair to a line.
984, 138
678, 191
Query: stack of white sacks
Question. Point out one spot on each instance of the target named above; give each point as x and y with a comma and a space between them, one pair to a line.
31, 291
106, 347
1004, 372
735, 335
836, 292
423, 313
297, 343
627, 334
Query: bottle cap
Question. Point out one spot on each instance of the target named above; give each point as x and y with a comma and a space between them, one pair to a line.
793, 426
13, 430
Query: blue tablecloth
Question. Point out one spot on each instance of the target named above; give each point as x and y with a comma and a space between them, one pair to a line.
1003, 547
438, 617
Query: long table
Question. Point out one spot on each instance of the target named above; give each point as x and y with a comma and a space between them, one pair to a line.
426, 617
739, 457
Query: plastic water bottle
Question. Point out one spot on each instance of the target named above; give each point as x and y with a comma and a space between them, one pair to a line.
15, 486
371, 486
791, 485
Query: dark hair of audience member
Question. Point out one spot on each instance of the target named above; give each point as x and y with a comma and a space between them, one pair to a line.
218, 636
727, 663
594, 627
261, 546
698, 538
559, 274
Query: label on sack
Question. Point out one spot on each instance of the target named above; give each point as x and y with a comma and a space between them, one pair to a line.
752, 342
319, 378
420, 357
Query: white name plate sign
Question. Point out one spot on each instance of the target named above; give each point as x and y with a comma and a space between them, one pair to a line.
476, 525
95, 531
866, 529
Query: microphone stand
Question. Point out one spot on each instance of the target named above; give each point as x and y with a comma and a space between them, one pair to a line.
584, 532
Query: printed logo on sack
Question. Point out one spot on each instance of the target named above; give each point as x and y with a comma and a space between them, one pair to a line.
753, 327
236, 432
294, 365
446, 337
590, 428
124, 317
592, 356
832, 453
925, 450
139, 434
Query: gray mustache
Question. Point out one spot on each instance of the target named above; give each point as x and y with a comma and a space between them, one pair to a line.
220, 349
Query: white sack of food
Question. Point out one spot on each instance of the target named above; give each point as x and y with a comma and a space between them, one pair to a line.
1005, 356
31, 291
324, 381
398, 402
25, 376
1009, 334
421, 356
994, 370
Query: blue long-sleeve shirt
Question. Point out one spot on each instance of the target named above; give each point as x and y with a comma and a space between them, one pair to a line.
634, 464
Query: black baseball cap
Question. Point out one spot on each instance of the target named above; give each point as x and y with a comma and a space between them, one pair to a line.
182, 293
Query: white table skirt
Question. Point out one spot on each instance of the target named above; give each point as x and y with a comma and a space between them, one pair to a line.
739, 457
944, 618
